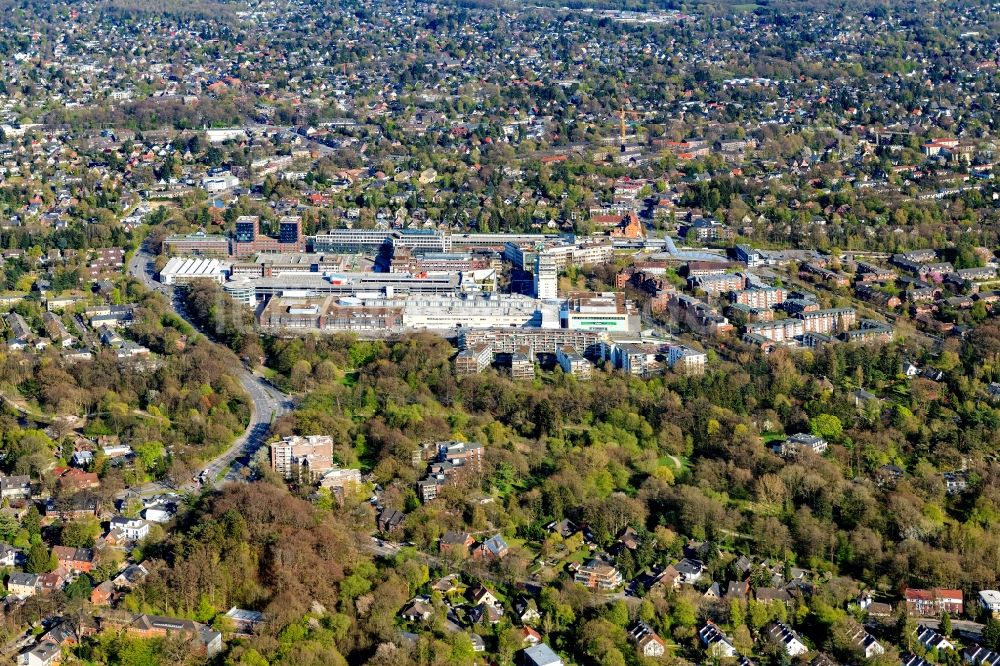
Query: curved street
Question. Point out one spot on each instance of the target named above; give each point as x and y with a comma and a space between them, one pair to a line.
266, 401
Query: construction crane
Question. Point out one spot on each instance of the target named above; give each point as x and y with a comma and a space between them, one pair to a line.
622, 112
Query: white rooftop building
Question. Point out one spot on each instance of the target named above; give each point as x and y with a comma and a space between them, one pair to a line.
990, 600
182, 270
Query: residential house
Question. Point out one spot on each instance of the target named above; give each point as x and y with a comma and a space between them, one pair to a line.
456, 543
913, 660
933, 602
865, 642
389, 519
446, 584
564, 528
980, 656
529, 636
668, 579
480, 594
418, 610
206, 639
784, 636
526, 610
102, 594
540, 655
130, 576
9, 556
160, 512
738, 589
80, 505
743, 567
43, 654
646, 641
932, 640
126, 529
766, 595
485, 613
22, 585
77, 560
15, 487
73, 480
822, 660
245, 622
717, 644
493, 548
792, 446
52, 581
690, 570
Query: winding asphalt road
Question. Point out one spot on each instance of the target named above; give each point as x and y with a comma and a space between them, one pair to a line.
266, 402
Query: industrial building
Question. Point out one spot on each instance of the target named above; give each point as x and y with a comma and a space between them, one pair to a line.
276, 264
241, 291
182, 270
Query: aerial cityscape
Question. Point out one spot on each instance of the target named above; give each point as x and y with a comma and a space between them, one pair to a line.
484, 332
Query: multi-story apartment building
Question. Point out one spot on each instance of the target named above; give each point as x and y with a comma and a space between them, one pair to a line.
474, 359
535, 340
697, 315
777, 331
573, 363
717, 284
759, 297
521, 366
546, 276
303, 459
827, 321
686, 360
598, 575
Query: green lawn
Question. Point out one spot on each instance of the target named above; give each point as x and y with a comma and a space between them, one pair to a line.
672, 462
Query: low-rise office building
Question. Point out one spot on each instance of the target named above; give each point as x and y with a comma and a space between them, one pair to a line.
197, 244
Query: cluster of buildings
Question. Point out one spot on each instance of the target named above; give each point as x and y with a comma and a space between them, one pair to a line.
446, 461
309, 460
